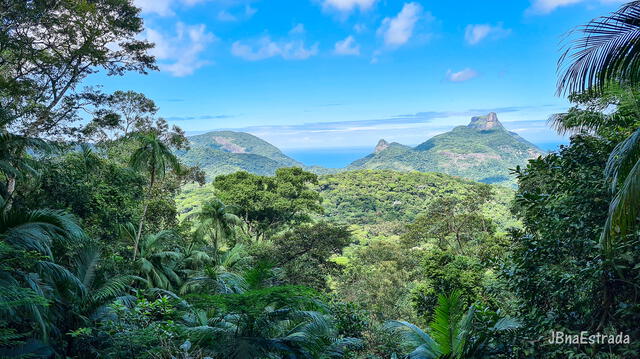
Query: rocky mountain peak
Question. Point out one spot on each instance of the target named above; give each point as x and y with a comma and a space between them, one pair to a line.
483, 123
381, 146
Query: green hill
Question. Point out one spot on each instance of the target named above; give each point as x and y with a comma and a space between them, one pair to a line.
222, 152
483, 151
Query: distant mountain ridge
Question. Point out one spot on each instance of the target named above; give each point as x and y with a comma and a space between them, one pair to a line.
483, 151
223, 152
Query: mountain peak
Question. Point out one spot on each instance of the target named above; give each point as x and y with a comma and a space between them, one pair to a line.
483, 123
381, 146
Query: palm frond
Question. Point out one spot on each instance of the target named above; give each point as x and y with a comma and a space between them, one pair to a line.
607, 51
623, 211
86, 264
577, 121
444, 328
415, 337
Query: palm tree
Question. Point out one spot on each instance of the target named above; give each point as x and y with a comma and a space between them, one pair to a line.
608, 52
28, 283
99, 293
223, 274
216, 222
15, 162
154, 157
451, 335
272, 333
156, 264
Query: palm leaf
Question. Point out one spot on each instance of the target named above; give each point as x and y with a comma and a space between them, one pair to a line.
607, 51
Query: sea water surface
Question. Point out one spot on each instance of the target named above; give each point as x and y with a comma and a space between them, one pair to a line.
328, 157
341, 157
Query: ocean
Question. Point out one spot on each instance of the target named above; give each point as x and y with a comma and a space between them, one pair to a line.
328, 157
342, 157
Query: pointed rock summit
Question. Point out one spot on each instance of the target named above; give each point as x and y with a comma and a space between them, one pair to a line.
485, 123
381, 146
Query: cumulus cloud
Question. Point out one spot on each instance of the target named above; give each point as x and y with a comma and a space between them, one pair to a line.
396, 31
542, 7
347, 6
179, 54
291, 48
476, 33
347, 46
461, 76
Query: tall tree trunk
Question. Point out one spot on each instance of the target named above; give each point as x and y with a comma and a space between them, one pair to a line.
144, 213
11, 187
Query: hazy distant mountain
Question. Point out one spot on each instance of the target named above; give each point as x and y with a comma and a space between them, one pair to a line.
483, 151
222, 152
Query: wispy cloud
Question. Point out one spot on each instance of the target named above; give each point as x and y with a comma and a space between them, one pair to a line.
476, 33
347, 46
543, 7
462, 75
202, 117
224, 15
292, 48
158, 7
409, 129
347, 6
179, 53
396, 31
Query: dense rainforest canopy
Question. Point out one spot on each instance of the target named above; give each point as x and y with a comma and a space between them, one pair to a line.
110, 247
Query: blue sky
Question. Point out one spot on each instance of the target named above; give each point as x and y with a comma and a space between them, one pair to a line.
344, 73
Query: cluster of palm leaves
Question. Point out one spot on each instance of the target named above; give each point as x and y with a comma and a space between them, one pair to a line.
273, 332
453, 333
606, 52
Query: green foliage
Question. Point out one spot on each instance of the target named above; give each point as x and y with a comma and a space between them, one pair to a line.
556, 270
304, 253
384, 201
43, 105
269, 204
99, 192
454, 333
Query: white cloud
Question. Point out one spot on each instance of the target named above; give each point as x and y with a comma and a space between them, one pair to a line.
398, 30
359, 28
180, 54
226, 16
291, 48
461, 76
346, 6
159, 7
166, 7
347, 46
249, 11
297, 30
474, 34
542, 7
265, 48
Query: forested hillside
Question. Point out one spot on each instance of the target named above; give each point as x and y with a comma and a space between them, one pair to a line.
224, 152
112, 246
483, 151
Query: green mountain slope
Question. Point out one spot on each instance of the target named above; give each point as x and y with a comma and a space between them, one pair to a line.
222, 152
483, 151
